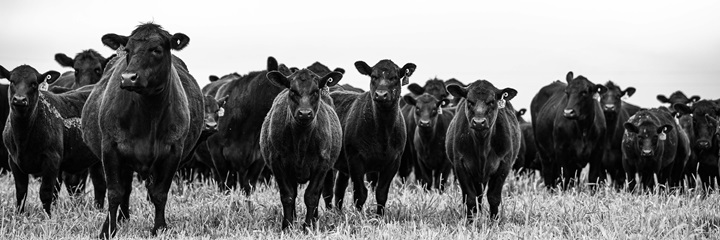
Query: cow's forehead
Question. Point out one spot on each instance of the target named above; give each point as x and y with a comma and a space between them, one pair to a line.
579, 84
303, 78
482, 89
426, 99
24, 73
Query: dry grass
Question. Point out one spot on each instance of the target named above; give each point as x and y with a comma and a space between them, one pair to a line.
198, 211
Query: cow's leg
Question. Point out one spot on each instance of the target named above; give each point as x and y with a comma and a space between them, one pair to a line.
49, 185
550, 172
569, 175
159, 188
115, 191
495, 187
21, 186
357, 173
468, 191
125, 176
372, 178
341, 184
288, 193
312, 198
596, 176
97, 175
444, 177
253, 175
423, 174
327, 191
223, 175
383, 188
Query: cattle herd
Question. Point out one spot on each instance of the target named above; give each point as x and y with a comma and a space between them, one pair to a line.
140, 113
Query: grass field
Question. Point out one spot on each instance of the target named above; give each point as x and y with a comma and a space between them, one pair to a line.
198, 211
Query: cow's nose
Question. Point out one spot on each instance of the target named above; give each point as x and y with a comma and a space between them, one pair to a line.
646, 152
704, 143
304, 114
424, 123
479, 122
609, 107
20, 101
129, 77
381, 95
569, 113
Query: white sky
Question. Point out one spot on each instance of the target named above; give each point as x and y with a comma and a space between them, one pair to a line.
655, 46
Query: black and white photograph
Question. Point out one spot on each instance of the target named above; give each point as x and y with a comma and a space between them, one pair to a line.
360, 120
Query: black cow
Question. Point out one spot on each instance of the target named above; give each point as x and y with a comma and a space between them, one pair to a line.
527, 160
654, 146
215, 83
373, 132
432, 167
235, 148
301, 138
43, 136
616, 114
201, 163
145, 115
88, 66
705, 141
685, 120
436, 88
4, 112
482, 142
572, 126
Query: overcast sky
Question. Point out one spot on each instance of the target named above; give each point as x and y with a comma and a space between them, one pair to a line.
655, 46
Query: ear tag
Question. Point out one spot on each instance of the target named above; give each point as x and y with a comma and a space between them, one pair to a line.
440, 110
120, 51
596, 96
662, 136
501, 102
44, 85
406, 79
624, 97
221, 112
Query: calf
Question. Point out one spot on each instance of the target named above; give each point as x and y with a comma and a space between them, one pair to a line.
373, 132
483, 141
616, 114
706, 140
200, 163
43, 137
301, 138
88, 66
432, 167
145, 116
654, 147
573, 128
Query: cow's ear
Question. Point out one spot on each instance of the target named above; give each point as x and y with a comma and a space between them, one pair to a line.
410, 100
631, 127
114, 41
629, 91
340, 70
107, 60
213, 78
599, 88
695, 98
221, 102
49, 77
278, 79
682, 108
272, 64
444, 102
406, 71
522, 111
569, 77
294, 69
506, 94
457, 91
416, 89
179, 41
662, 98
64, 60
664, 129
330, 79
4, 73
363, 68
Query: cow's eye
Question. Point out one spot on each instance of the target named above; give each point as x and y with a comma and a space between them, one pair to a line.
470, 103
583, 93
98, 70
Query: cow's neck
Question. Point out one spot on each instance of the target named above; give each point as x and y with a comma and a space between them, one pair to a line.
23, 123
385, 116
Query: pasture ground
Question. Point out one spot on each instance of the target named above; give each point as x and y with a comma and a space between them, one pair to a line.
529, 211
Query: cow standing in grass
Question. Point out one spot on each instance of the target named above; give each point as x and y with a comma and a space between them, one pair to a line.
145, 115
432, 166
570, 129
705, 140
616, 113
527, 160
654, 147
43, 136
483, 141
373, 132
301, 138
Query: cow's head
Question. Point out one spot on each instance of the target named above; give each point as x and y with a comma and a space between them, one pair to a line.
611, 100
88, 66
427, 108
24, 81
580, 94
213, 111
704, 113
649, 137
434, 87
483, 101
386, 78
677, 97
148, 56
519, 114
304, 89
